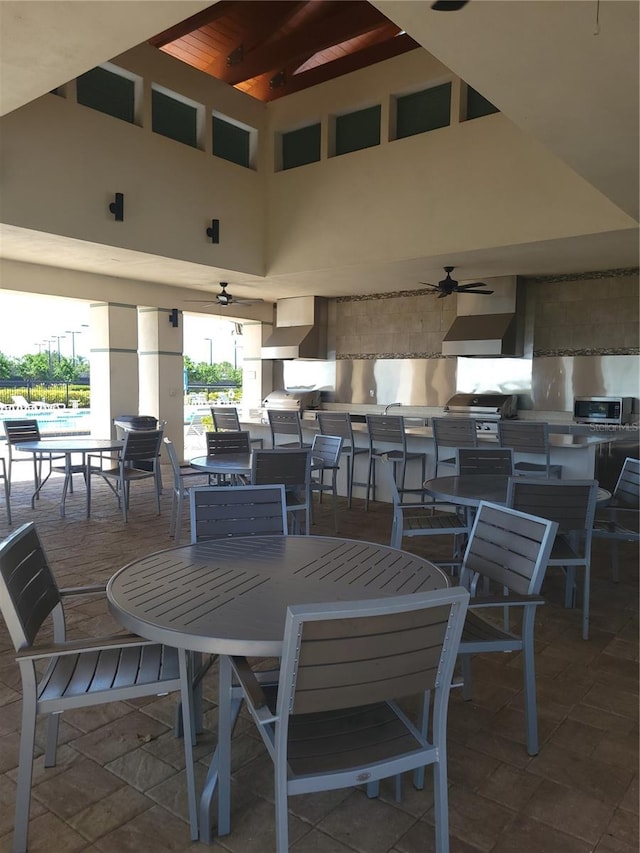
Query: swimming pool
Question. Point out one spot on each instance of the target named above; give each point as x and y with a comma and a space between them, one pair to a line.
54, 421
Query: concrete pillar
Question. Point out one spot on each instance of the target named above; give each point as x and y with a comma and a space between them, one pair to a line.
256, 374
162, 371
114, 365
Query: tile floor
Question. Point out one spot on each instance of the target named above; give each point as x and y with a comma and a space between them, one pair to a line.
119, 785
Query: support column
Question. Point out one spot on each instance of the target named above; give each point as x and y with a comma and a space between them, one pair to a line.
114, 365
162, 371
257, 375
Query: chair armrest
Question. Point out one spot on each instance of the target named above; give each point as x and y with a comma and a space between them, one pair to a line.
512, 600
83, 590
74, 647
249, 682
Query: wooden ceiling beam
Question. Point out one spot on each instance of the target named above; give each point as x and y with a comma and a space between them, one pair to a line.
341, 22
261, 26
195, 22
353, 62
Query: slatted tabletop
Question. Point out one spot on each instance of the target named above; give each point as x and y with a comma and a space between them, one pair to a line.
469, 489
230, 597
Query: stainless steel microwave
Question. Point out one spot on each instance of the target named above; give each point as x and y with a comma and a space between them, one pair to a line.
602, 410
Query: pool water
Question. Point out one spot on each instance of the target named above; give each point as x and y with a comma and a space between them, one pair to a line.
54, 421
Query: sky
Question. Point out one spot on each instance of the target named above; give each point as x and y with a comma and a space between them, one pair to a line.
28, 321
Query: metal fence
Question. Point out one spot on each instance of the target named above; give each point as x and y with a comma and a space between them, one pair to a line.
61, 393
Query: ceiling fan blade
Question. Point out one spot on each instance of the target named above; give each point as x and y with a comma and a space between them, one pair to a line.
470, 286
448, 5
428, 284
472, 290
444, 293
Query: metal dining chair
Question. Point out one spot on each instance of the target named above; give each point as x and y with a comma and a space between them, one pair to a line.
7, 493
385, 430
140, 448
185, 478
450, 433
572, 505
503, 567
411, 519
292, 468
619, 521
332, 721
325, 459
227, 442
78, 674
288, 424
484, 460
339, 423
217, 512
529, 438
226, 419
19, 430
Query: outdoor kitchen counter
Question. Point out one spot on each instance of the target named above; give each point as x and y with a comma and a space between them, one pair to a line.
576, 453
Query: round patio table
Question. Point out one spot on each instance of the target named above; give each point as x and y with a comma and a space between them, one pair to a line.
75, 444
232, 465
230, 597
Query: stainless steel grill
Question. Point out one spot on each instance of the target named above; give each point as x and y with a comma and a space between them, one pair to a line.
486, 409
291, 400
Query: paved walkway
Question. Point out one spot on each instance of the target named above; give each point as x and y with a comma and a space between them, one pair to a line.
119, 782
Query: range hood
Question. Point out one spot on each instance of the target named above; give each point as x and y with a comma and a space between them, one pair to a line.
301, 329
488, 325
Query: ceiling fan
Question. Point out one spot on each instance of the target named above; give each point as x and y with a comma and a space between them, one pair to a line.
225, 299
448, 285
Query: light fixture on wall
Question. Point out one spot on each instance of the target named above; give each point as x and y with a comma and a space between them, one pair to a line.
117, 207
173, 317
214, 231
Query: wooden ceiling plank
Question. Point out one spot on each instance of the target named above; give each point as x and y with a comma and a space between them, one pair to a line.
201, 19
347, 21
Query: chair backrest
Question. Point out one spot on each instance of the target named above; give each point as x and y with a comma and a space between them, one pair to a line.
352, 653
28, 590
627, 488
570, 503
325, 450
524, 436
141, 446
509, 548
289, 466
228, 442
174, 462
218, 512
484, 460
225, 419
454, 432
335, 423
386, 428
21, 429
284, 423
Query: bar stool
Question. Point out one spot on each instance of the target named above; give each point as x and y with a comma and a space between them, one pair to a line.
390, 430
286, 423
452, 432
339, 423
226, 419
529, 437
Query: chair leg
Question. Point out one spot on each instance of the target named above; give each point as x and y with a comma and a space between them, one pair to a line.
51, 747
529, 671
282, 812
441, 801
25, 774
586, 596
351, 459
465, 660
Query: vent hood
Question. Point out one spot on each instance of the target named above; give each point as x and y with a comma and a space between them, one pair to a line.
488, 325
301, 329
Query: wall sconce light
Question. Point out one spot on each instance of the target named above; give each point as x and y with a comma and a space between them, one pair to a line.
117, 207
173, 317
214, 231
